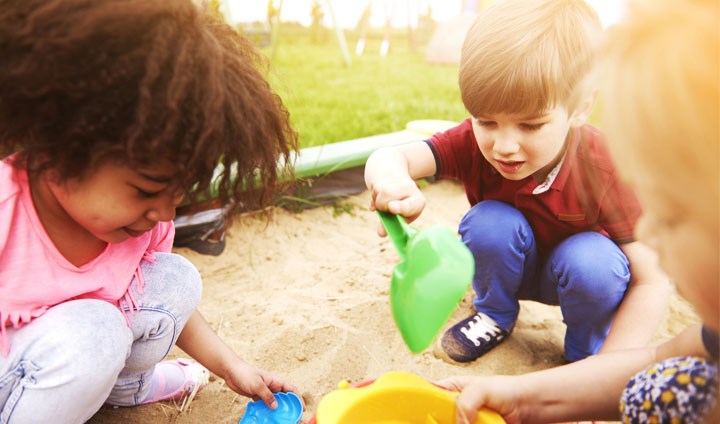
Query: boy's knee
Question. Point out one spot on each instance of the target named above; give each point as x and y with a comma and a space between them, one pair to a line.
593, 260
492, 223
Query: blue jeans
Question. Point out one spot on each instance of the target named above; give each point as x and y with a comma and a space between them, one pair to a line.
586, 275
64, 365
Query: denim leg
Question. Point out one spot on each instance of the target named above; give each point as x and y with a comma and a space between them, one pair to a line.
171, 294
503, 244
63, 364
587, 275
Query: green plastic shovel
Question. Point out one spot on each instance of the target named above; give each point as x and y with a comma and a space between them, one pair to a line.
434, 272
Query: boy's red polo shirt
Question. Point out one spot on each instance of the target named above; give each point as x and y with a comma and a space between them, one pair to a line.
586, 194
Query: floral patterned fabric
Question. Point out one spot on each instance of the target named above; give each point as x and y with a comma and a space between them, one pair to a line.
677, 390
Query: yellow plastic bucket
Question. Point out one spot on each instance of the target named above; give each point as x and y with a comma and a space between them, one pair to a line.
394, 398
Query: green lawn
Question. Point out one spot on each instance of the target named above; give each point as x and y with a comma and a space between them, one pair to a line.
330, 102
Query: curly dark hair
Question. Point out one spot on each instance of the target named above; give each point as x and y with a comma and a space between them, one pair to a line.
141, 81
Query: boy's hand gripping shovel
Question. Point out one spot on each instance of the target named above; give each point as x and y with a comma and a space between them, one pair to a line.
434, 272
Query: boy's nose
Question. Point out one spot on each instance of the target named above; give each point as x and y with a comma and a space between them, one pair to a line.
506, 143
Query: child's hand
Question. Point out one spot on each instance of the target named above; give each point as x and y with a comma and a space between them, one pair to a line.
401, 197
497, 393
256, 383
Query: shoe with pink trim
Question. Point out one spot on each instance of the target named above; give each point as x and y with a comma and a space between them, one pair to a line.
167, 383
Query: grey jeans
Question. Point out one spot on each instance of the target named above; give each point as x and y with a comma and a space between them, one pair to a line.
64, 365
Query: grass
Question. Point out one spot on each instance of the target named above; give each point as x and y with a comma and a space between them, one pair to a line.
330, 102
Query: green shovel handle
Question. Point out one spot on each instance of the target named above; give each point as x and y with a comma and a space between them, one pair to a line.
398, 230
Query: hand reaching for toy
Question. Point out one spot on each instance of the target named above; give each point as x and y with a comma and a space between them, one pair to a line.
402, 197
498, 393
199, 341
256, 383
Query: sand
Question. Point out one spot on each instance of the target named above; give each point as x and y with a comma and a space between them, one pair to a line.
305, 295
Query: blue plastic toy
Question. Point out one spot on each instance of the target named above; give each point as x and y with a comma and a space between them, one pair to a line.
289, 411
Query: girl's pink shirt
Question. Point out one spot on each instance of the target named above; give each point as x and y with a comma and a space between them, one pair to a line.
34, 275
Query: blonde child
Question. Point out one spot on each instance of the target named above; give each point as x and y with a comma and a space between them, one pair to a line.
110, 112
524, 158
662, 103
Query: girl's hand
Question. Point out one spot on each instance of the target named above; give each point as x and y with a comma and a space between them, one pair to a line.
199, 341
256, 383
401, 197
498, 393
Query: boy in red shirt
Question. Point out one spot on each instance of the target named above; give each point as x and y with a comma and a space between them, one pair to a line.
549, 219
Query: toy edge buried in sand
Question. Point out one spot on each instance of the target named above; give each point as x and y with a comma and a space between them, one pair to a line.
394, 398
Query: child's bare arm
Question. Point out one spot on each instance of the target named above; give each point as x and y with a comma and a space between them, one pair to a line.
645, 303
585, 390
200, 342
390, 175
589, 389
687, 343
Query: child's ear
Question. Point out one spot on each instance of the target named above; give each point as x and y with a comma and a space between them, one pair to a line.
582, 112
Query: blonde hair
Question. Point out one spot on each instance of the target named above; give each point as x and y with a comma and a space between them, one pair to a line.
527, 56
662, 102
662, 108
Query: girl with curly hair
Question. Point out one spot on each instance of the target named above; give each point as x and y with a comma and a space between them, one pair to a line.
111, 112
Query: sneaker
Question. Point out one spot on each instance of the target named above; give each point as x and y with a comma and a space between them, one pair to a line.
177, 378
472, 337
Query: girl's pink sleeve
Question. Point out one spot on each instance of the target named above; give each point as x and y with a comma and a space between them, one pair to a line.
162, 237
